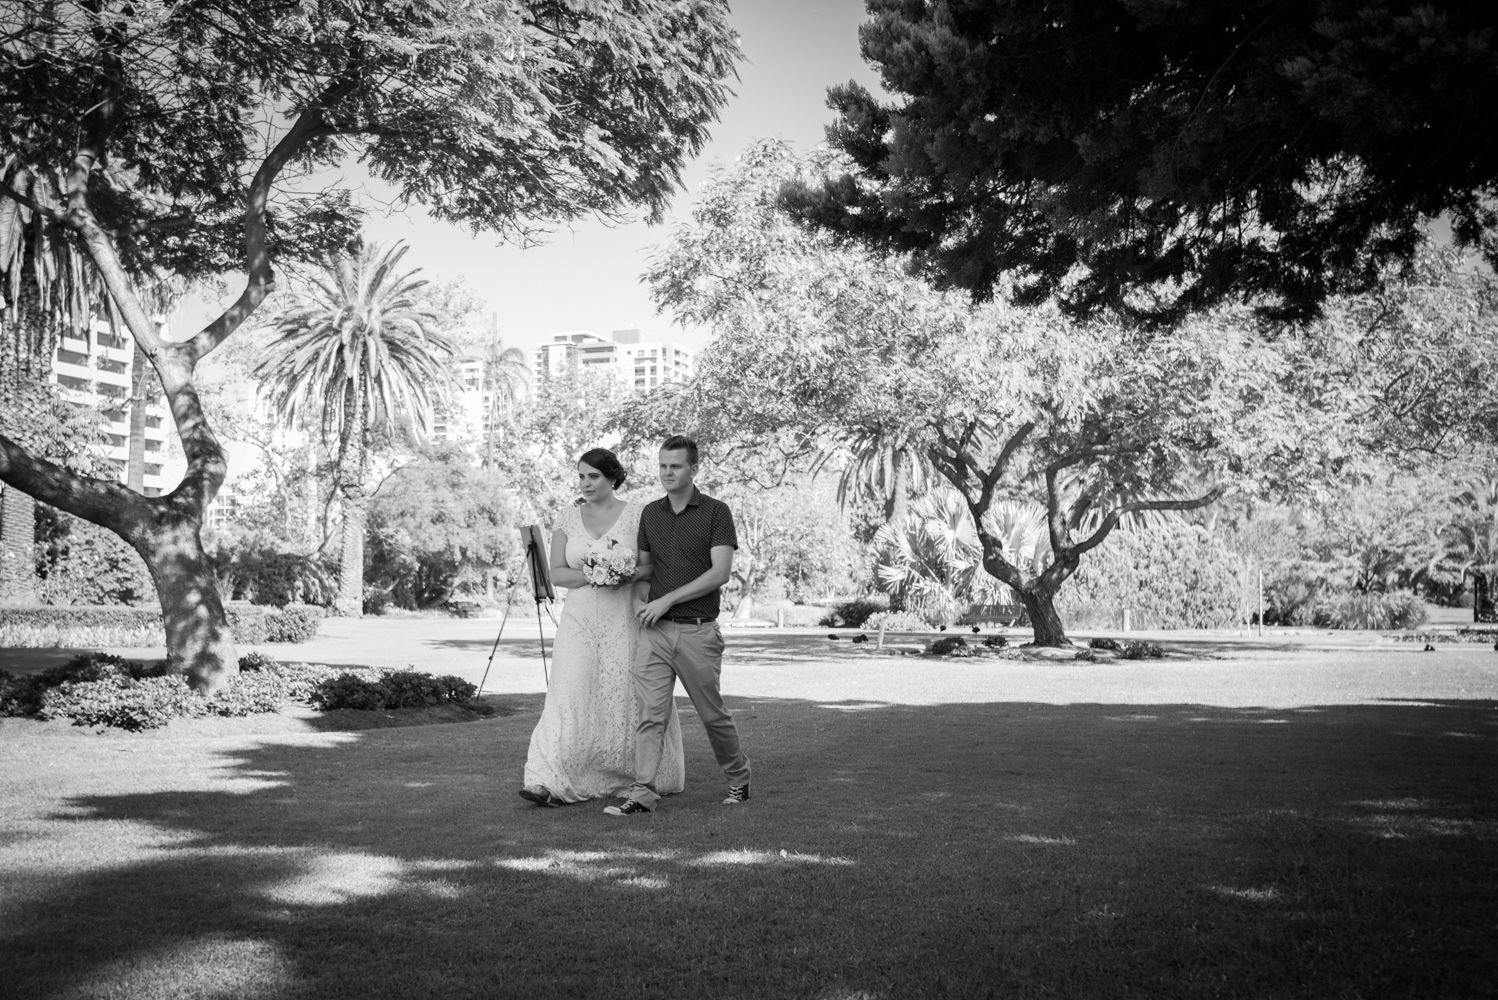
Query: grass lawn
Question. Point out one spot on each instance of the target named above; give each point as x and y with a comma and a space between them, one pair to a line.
1324, 825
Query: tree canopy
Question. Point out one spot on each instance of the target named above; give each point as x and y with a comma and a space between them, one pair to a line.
169, 128
1094, 422
1160, 157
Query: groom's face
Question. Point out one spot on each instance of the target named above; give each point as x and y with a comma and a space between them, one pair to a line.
676, 473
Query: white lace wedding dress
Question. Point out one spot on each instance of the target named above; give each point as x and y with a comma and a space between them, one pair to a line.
584, 745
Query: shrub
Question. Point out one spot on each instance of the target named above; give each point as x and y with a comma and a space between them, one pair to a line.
251, 662
248, 622
83, 564
995, 642
302, 679
459, 691
80, 626
951, 645
293, 623
118, 701
24, 695
1103, 642
264, 575
1290, 601
252, 693
1400, 609
409, 689
898, 621
16, 695
1169, 574
1141, 651
855, 613
348, 691
396, 689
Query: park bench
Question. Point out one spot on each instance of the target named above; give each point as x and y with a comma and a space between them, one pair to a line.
993, 614
464, 609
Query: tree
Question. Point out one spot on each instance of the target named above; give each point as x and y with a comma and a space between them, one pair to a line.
44, 285
439, 523
1095, 422
355, 357
930, 560
171, 125
1159, 158
569, 413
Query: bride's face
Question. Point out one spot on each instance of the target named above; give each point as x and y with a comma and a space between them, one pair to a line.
594, 485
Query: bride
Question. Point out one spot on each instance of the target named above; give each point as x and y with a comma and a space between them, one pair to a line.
584, 745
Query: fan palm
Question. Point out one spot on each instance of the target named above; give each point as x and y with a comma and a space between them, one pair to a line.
931, 562
353, 355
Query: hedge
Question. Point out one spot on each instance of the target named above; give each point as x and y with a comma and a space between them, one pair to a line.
102, 689
48, 625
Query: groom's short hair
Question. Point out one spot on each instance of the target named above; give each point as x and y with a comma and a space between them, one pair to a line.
677, 442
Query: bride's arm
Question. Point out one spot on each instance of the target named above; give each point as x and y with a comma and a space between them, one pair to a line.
561, 574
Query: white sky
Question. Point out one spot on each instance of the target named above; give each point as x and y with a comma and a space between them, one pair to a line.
588, 278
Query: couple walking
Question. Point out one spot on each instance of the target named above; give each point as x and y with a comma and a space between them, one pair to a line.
609, 726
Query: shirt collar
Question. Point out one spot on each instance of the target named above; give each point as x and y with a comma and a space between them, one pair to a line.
695, 500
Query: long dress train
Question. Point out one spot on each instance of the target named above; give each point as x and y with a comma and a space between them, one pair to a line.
584, 745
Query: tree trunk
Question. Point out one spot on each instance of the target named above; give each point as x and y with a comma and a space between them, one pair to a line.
17, 547
745, 607
897, 504
351, 561
198, 639
1040, 605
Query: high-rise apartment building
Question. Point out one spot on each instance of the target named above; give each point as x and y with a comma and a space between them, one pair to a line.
95, 372
640, 365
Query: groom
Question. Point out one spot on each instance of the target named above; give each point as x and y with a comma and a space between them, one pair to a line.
687, 540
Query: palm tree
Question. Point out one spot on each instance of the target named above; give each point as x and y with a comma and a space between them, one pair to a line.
507, 378
1471, 542
45, 284
355, 354
885, 464
930, 561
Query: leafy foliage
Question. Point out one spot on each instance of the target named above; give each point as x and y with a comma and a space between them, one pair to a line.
950, 645
1161, 158
855, 613
83, 564
438, 523
173, 123
1396, 610
1168, 574
1094, 423
395, 689
73, 627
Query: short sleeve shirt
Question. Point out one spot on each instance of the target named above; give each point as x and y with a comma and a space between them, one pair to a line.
681, 546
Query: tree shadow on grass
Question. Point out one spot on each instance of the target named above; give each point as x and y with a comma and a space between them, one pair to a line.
890, 851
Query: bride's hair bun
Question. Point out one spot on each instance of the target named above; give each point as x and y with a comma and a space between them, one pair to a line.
605, 462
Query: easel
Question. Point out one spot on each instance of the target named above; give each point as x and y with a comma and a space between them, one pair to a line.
541, 587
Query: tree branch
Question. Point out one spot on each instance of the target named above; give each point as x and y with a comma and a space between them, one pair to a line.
1111, 521
261, 279
103, 503
51, 213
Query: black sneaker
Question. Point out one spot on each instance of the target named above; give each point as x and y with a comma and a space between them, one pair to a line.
629, 807
737, 794
541, 796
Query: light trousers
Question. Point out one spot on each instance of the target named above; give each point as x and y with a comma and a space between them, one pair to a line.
694, 654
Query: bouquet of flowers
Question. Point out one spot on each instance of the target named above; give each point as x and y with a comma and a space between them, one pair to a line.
609, 566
